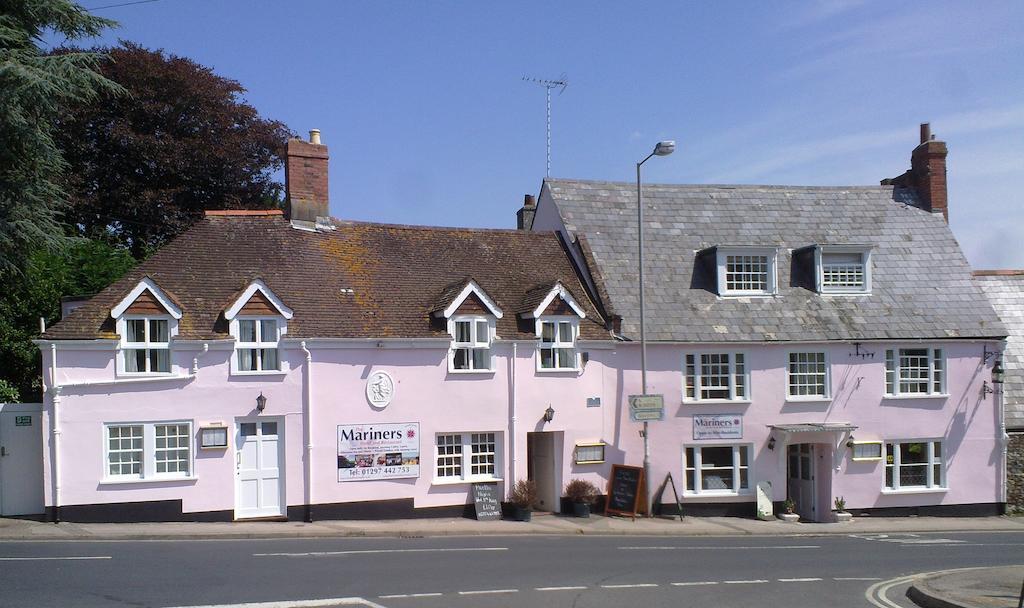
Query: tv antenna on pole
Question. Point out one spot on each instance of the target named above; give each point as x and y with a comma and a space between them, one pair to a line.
560, 84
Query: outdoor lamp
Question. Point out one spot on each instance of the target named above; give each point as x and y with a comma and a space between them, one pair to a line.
997, 372
771, 442
664, 148
261, 402
850, 442
549, 414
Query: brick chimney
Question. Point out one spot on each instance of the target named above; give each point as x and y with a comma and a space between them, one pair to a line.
305, 178
927, 173
524, 217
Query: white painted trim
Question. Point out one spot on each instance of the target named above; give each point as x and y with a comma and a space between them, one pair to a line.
282, 330
355, 343
538, 323
257, 285
145, 284
942, 461
472, 288
478, 344
562, 292
466, 439
121, 326
96, 344
148, 470
771, 253
732, 352
698, 471
790, 398
896, 394
819, 270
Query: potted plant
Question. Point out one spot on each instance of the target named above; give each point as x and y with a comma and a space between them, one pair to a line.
841, 514
581, 493
789, 511
522, 497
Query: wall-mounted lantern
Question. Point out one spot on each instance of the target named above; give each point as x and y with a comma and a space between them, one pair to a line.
549, 414
771, 442
261, 403
998, 372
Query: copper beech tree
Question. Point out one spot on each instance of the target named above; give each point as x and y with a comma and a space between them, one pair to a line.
145, 165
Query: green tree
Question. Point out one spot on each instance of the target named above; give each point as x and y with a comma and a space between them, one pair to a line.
144, 166
80, 268
34, 89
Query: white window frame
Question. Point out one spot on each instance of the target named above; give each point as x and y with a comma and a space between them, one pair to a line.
819, 264
790, 396
235, 330
737, 490
772, 257
697, 375
465, 457
148, 469
930, 483
124, 345
574, 322
937, 364
474, 344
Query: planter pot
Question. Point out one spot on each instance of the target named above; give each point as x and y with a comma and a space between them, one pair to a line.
789, 517
842, 516
581, 509
521, 513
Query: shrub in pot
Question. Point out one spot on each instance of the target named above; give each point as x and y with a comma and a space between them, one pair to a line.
522, 498
581, 493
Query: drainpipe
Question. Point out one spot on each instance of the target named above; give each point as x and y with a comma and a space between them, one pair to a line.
308, 423
1004, 440
512, 407
55, 430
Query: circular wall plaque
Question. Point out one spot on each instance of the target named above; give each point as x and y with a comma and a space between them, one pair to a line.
380, 388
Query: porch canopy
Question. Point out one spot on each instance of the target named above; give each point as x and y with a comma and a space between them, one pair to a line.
814, 427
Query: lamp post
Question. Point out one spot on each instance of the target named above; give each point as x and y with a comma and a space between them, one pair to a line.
663, 148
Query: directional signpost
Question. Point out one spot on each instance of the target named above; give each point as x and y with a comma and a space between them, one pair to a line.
646, 407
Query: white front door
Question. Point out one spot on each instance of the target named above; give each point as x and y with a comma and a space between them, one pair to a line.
259, 485
21, 462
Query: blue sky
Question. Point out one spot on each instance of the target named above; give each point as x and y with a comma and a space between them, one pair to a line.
429, 122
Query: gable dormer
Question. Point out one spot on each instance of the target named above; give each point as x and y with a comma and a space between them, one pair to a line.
470, 314
257, 319
556, 314
146, 319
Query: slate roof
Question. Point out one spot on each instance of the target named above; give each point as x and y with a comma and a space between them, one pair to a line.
921, 285
1005, 289
397, 274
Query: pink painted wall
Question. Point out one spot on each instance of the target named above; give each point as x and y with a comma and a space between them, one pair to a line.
443, 402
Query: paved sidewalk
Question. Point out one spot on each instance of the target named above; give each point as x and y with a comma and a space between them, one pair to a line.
16, 529
969, 588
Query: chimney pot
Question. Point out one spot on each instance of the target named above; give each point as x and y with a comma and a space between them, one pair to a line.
529, 201
314, 136
926, 132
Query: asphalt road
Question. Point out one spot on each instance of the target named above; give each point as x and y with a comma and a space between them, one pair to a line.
472, 572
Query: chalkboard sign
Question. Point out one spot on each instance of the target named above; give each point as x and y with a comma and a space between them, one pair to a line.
485, 499
624, 490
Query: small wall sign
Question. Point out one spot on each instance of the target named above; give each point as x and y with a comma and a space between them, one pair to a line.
380, 389
23, 421
718, 426
212, 437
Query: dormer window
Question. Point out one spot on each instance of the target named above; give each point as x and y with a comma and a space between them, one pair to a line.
258, 319
471, 343
558, 344
146, 319
257, 345
843, 269
746, 271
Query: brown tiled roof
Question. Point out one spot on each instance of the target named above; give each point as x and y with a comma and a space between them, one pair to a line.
396, 273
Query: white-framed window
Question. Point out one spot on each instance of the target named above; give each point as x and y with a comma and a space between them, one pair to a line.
746, 271
716, 469
150, 450
915, 371
471, 344
146, 344
717, 376
807, 376
843, 269
557, 349
914, 465
256, 344
467, 456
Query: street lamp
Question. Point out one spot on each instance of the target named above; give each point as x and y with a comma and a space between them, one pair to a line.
663, 148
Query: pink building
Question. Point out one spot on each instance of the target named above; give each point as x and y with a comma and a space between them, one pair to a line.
814, 342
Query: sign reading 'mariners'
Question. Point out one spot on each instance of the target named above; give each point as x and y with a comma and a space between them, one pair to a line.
718, 426
624, 489
378, 451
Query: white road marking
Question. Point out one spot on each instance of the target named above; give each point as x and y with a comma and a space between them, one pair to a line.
876, 594
72, 558
799, 580
633, 586
326, 603
559, 588
695, 583
373, 551
425, 595
671, 548
488, 591
750, 582
857, 578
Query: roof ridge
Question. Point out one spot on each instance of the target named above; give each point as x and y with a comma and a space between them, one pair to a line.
632, 184
340, 222
243, 212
